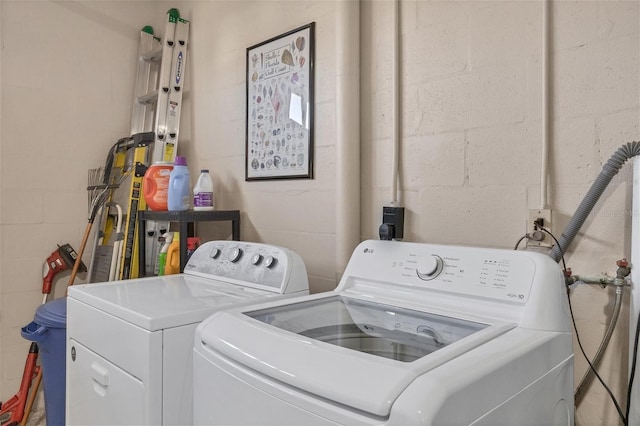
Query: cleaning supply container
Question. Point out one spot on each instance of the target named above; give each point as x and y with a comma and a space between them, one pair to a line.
172, 265
155, 185
179, 186
49, 330
192, 244
162, 256
203, 192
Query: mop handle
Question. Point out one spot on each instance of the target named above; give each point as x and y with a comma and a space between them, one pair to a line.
32, 398
78, 262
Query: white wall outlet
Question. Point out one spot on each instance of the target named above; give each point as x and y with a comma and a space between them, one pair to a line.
537, 237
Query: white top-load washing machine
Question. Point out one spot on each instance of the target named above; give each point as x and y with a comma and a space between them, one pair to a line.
129, 343
414, 334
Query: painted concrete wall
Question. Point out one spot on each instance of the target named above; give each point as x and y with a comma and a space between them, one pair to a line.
287, 213
67, 82
471, 144
471, 134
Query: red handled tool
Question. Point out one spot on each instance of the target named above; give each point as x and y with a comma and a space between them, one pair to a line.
61, 259
12, 411
14, 407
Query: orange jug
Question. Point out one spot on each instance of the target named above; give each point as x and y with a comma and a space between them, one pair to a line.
172, 265
155, 186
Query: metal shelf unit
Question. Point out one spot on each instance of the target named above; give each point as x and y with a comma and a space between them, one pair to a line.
184, 218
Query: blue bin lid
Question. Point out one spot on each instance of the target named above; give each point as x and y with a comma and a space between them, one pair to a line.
52, 314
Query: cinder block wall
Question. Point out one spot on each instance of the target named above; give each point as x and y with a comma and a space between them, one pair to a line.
67, 85
472, 135
470, 150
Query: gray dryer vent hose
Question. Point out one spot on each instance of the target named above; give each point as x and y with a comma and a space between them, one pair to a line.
609, 170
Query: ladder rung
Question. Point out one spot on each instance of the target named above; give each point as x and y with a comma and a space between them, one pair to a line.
149, 98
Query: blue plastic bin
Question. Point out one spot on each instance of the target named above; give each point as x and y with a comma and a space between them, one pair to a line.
49, 330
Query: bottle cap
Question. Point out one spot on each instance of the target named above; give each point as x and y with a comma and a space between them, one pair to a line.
204, 171
180, 161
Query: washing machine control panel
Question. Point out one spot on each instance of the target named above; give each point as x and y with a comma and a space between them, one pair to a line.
506, 275
261, 264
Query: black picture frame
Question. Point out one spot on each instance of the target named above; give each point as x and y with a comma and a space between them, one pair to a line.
280, 106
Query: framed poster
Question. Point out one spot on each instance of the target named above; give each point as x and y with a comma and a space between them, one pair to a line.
279, 125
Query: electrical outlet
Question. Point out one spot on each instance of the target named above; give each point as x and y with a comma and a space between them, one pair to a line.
539, 218
392, 227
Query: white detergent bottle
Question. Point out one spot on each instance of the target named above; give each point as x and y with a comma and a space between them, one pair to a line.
203, 192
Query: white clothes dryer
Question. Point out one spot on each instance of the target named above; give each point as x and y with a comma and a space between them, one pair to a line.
129, 343
414, 334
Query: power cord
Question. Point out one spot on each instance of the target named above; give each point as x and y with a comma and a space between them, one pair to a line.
543, 229
520, 240
633, 370
613, 398
528, 236
593, 368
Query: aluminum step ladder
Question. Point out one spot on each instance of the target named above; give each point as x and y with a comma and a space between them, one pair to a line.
160, 77
155, 122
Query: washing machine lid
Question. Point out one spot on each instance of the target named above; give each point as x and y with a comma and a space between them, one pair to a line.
355, 352
157, 303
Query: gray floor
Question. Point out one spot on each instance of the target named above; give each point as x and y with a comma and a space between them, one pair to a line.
36, 418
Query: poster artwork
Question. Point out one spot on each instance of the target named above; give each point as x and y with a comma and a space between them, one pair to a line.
279, 125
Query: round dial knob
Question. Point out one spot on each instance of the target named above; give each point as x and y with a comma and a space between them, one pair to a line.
270, 261
256, 259
235, 254
430, 268
215, 252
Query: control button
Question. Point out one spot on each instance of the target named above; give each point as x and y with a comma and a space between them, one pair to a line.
270, 261
256, 259
215, 252
430, 268
235, 255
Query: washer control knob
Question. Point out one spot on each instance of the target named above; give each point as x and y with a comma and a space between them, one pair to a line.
270, 261
256, 259
430, 268
235, 255
215, 252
